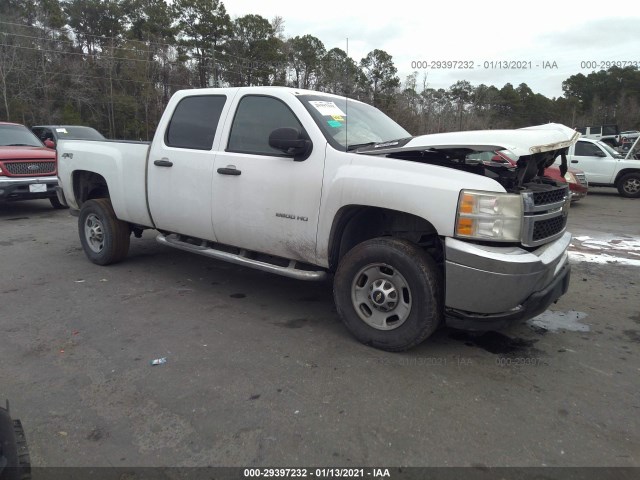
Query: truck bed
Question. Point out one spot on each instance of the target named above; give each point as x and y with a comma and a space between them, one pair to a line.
108, 159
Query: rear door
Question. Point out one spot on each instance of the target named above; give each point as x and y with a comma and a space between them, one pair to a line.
597, 164
180, 166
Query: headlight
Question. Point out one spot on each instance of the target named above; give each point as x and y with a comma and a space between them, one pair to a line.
570, 177
489, 216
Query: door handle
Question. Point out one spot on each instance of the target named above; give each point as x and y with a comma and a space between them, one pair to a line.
229, 170
163, 162
574, 161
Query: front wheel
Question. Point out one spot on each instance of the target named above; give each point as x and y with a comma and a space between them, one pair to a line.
629, 185
388, 293
104, 238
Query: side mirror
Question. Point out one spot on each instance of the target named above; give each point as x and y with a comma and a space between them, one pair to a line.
600, 153
291, 142
49, 143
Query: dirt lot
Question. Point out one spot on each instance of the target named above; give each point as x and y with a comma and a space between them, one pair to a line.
261, 372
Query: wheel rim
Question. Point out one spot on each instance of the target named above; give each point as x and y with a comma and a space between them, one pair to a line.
381, 296
94, 233
632, 185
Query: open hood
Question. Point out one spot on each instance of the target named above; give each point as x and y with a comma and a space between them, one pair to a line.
535, 148
634, 151
521, 142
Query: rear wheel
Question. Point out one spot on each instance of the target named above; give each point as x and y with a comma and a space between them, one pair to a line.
388, 293
629, 185
14, 455
104, 238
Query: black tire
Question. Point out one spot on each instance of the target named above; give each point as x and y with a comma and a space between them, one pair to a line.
104, 238
55, 203
13, 449
410, 272
629, 185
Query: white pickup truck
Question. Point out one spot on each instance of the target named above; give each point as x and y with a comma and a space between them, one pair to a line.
306, 184
604, 167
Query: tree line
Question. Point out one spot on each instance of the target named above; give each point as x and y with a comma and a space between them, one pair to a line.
113, 65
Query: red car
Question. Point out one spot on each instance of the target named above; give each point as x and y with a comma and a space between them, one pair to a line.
576, 179
28, 170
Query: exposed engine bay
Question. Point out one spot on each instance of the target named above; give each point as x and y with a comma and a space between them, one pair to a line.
528, 170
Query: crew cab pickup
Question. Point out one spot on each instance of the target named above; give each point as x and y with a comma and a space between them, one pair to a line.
308, 185
27, 168
604, 167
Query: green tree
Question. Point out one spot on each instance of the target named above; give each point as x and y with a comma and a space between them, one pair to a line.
203, 27
380, 73
305, 57
253, 54
340, 74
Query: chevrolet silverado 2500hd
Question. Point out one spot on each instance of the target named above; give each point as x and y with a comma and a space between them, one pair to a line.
306, 184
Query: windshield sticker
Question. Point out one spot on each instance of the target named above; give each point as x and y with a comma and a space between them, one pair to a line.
327, 108
61, 130
339, 118
334, 123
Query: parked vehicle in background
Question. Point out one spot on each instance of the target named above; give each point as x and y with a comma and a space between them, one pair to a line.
609, 134
577, 180
627, 139
605, 167
27, 168
51, 134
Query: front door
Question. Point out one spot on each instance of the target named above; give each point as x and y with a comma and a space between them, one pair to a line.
263, 200
594, 161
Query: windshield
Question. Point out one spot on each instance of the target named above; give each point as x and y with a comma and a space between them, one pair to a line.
17, 135
348, 125
610, 150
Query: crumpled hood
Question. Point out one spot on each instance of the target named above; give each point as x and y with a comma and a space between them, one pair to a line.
521, 141
535, 147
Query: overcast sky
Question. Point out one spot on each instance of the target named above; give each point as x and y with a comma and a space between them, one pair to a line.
532, 33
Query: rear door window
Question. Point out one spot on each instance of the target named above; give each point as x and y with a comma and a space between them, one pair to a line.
194, 122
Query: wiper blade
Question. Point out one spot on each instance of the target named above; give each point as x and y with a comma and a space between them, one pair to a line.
355, 146
18, 145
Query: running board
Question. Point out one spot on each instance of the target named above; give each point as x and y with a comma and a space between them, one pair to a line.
241, 258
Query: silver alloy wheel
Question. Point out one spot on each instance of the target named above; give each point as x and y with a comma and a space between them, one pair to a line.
381, 296
94, 232
631, 186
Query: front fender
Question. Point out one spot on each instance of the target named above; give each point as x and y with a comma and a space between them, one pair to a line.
426, 191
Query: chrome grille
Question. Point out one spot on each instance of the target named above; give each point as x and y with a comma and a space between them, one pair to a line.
548, 228
31, 168
545, 198
545, 214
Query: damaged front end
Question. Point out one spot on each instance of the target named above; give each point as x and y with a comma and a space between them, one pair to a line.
544, 200
507, 259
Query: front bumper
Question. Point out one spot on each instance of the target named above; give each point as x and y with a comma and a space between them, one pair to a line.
488, 287
575, 195
17, 188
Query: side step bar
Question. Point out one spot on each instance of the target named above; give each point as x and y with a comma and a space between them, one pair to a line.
241, 258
